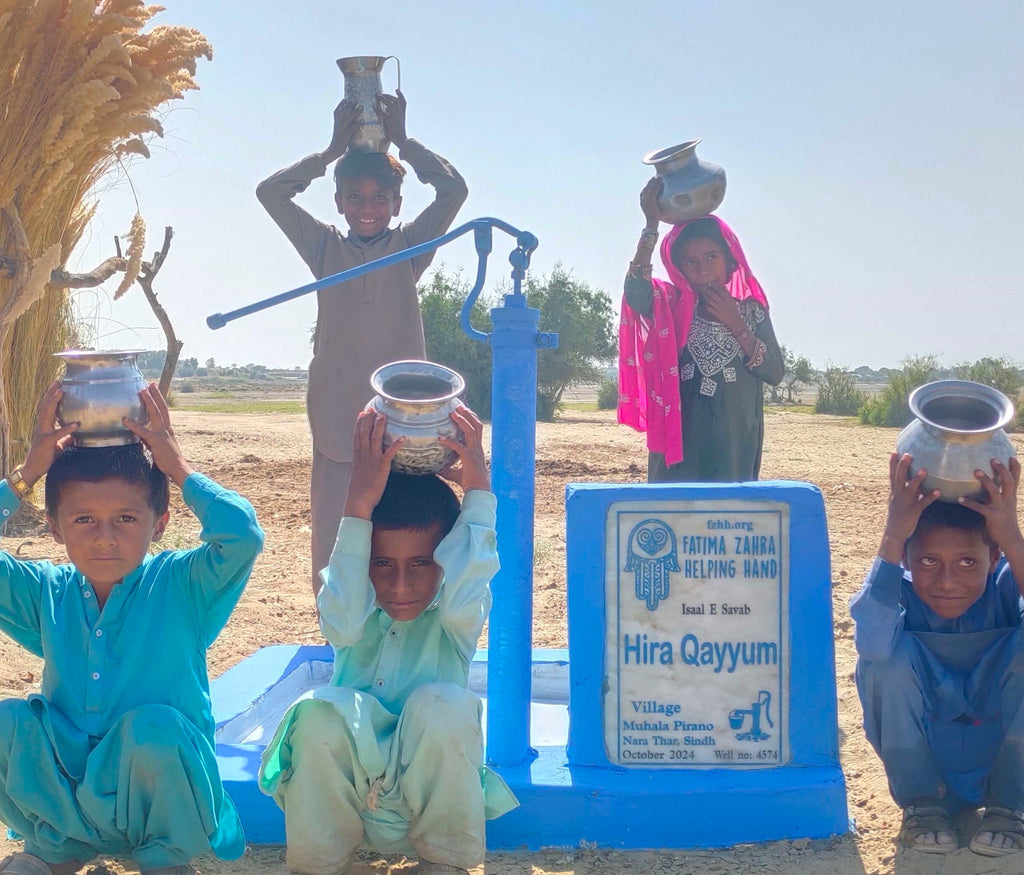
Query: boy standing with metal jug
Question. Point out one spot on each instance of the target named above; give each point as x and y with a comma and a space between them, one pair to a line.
370, 321
940, 657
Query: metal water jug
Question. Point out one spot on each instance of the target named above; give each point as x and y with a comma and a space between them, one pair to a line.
100, 387
691, 188
418, 397
362, 84
958, 430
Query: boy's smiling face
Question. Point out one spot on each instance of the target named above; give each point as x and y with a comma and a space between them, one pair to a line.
949, 568
106, 528
366, 205
403, 572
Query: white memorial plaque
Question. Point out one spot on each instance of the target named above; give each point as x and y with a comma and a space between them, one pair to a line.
696, 644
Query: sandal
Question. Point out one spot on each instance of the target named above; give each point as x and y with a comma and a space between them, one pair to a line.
1005, 825
928, 829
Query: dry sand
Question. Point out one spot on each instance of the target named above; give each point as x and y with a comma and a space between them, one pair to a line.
267, 457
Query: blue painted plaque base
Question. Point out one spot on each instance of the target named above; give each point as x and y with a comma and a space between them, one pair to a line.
700, 805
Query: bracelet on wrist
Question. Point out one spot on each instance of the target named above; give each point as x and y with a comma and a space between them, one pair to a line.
19, 486
649, 234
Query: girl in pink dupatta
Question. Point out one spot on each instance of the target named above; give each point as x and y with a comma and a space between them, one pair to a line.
695, 351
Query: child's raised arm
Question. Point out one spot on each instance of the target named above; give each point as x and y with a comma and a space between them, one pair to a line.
905, 506
1000, 512
48, 438
158, 435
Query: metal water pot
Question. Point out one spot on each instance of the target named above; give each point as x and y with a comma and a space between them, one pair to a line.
691, 188
362, 84
99, 388
418, 397
958, 430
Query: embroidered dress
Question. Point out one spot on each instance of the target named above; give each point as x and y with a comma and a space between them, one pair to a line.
402, 771
116, 754
685, 380
943, 699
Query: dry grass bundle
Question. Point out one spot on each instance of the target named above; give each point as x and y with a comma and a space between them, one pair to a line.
80, 85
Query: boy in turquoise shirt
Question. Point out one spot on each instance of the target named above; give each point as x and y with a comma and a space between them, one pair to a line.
116, 754
390, 755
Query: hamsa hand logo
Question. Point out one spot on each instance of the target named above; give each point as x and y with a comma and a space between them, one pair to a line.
651, 556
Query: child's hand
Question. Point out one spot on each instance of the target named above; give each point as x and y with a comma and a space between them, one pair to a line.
722, 307
48, 438
348, 118
905, 506
472, 470
371, 464
158, 435
392, 115
1000, 510
649, 201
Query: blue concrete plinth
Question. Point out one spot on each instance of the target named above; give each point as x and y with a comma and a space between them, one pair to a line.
719, 589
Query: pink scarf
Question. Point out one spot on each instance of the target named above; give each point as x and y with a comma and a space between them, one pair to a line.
649, 348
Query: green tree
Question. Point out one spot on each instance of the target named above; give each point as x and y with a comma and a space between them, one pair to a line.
581, 315
837, 392
1002, 374
583, 318
892, 406
798, 373
441, 303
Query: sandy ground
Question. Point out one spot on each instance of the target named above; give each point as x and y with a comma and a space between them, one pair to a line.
267, 458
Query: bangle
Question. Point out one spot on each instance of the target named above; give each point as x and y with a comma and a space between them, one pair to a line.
639, 271
18, 484
650, 234
758, 357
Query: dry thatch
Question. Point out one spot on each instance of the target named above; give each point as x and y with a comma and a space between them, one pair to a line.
80, 85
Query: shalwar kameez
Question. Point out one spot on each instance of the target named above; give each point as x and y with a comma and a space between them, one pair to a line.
943, 698
390, 755
115, 755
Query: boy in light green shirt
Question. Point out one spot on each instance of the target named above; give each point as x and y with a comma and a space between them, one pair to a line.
390, 755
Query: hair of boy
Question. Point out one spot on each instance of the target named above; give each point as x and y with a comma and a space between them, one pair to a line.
131, 463
948, 515
703, 229
419, 502
383, 168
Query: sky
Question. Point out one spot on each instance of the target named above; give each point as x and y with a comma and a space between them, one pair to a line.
872, 151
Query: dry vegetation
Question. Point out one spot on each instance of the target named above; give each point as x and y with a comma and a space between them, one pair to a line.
81, 85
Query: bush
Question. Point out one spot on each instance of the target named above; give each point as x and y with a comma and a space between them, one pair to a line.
608, 394
892, 407
186, 386
837, 393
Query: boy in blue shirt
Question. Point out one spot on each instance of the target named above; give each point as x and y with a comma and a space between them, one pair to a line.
116, 754
390, 754
940, 660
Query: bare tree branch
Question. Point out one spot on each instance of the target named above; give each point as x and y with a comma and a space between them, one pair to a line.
145, 279
93, 278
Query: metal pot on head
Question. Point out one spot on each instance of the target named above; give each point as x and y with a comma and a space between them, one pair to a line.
691, 188
418, 397
100, 387
362, 84
958, 430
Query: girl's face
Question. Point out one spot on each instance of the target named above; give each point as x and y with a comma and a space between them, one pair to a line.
703, 263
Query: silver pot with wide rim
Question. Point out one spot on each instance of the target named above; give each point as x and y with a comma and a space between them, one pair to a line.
100, 387
691, 188
957, 430
418, 397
